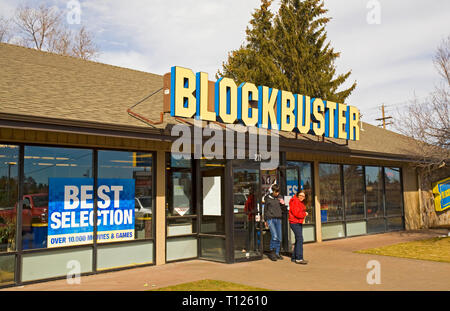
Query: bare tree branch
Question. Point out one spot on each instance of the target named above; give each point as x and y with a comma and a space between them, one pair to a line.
59, 42
43, 29
441, 59
428, 122
83, 45
37, 25
5, 29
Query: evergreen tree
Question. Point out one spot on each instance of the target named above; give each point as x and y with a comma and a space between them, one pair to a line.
289, 51
254, 62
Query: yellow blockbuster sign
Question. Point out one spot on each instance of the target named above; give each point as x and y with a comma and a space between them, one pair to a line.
441, 191
276, 109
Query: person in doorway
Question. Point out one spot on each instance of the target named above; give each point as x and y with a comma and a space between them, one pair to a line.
297, 214
272, 215
250, 210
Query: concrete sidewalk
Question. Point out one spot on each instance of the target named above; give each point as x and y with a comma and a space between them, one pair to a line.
333, 266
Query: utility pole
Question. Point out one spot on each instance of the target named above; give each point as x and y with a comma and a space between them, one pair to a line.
383, 117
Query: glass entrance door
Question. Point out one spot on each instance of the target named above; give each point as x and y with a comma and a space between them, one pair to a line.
247, 226
210, 194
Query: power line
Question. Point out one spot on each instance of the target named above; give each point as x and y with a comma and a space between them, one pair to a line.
396, 104
384, 118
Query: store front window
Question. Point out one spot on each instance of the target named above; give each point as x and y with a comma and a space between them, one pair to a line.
374, 191
394, 199
299, 177
354, 200
131, 174
374, 199
330, 192
331, 205
354, 192
59, 205
9, 187
181, 216
54, 181
57, 211
393, 191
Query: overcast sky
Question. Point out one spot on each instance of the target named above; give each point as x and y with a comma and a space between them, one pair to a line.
391, 61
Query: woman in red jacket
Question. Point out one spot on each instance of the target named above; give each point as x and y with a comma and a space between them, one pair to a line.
297, 214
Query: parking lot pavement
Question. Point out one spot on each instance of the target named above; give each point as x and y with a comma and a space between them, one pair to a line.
333, 265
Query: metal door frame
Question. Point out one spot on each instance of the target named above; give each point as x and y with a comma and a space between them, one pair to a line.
258, 194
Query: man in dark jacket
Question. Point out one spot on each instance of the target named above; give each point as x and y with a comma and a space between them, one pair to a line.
272, 216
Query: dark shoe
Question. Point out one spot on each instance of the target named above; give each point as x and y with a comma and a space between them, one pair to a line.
272, 256
301, 261
279, 257
292, 259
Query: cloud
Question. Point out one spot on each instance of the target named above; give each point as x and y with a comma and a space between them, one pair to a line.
194, 34
131, 60
391, 61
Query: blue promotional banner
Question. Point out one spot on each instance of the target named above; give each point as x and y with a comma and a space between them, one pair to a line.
71, 211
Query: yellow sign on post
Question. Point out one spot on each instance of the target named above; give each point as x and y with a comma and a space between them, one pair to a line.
441, 191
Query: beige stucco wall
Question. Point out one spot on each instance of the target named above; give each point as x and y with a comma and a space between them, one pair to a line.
160, 208
413, 219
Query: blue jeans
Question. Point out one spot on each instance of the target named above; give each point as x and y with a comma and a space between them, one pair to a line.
275, 232
297, 253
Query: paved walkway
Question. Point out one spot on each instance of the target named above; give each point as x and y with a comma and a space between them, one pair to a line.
333, 266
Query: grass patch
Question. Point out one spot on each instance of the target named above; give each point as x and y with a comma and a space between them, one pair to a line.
210, 285
435, 249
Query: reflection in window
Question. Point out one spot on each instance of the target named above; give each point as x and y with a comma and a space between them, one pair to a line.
9, 187
43, 169
180, 193
7, 269
182, 223
245, 208
376, 225
179, 197
330, 192
354, 192
212, 190
124, 166
374, 191
212, 248
393, 191
306, 184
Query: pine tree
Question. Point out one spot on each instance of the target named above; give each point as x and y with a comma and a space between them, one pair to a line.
289, 51
253, 62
